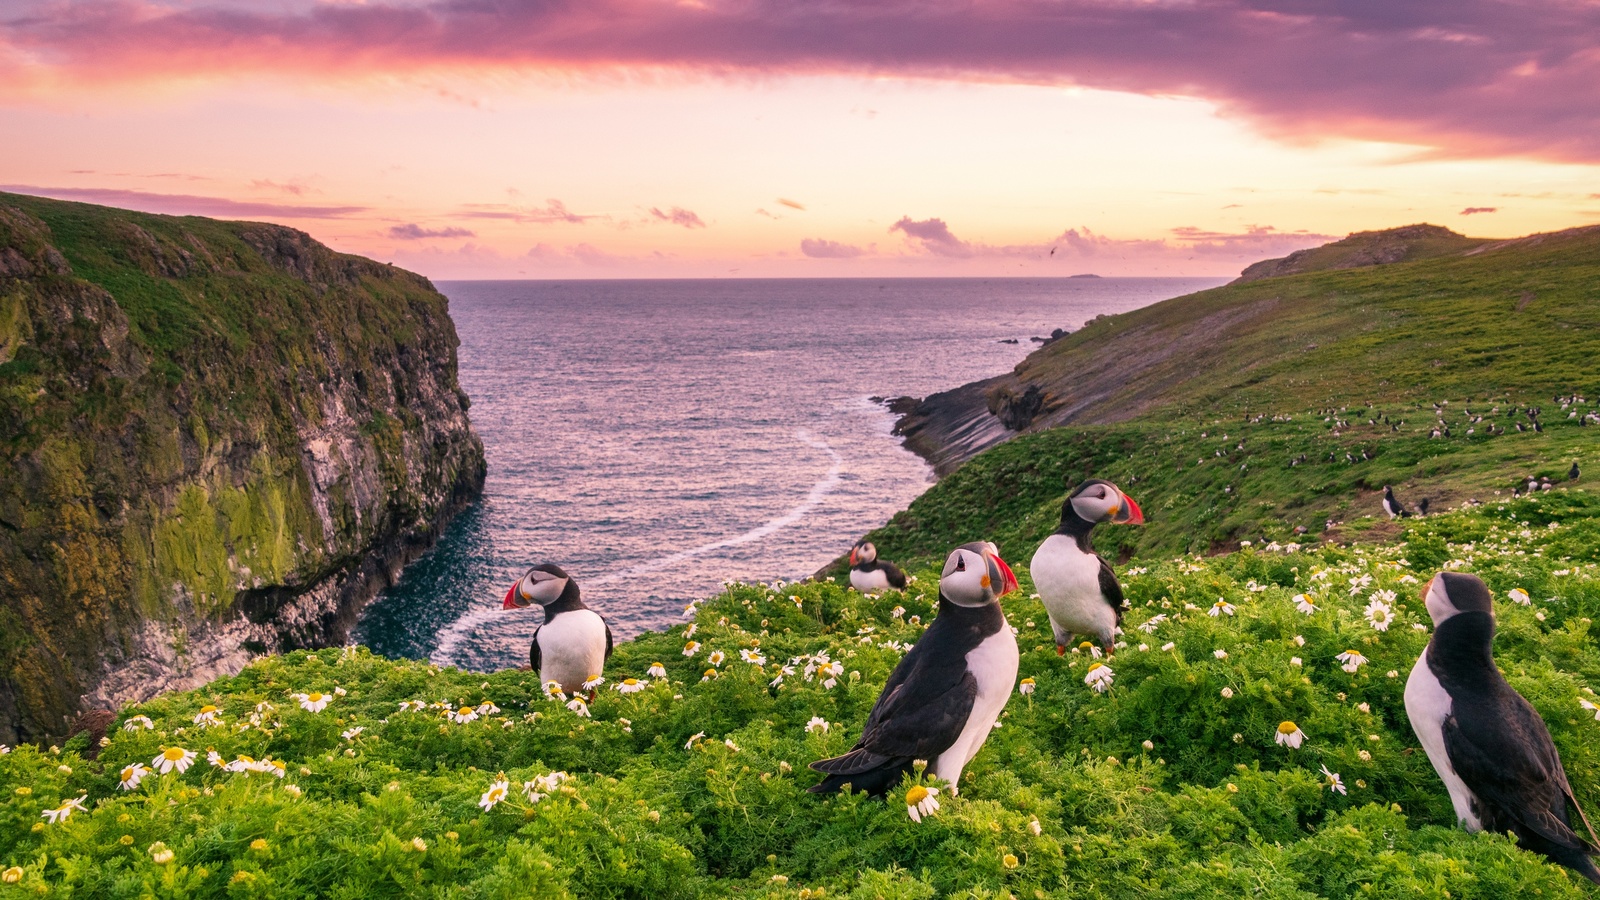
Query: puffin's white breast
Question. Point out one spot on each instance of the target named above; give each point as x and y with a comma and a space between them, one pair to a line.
868, 582
572, 647
993, 665
1068, 580
1428, 704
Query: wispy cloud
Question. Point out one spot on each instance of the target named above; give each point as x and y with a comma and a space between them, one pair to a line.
792, 204
677, 215
186, 204
413, 232
553, 211
933, 236
1470, 77
1475, 210
817, 248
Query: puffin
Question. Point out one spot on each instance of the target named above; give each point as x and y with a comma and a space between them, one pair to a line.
1078, 588
1572, 473
947, 692
1391, 505
1487, 743
574, 642
869, 574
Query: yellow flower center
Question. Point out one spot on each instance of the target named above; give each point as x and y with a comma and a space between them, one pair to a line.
1351, 653
464, 710
710, 672
630, 681
127, 774
916, 795
1093, 666
173, 754
1085, 646
1287, 727
657, 665
314, 697
1027, 681
207, 709
1221, 603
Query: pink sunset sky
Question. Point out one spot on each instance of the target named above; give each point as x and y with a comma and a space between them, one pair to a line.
618, 138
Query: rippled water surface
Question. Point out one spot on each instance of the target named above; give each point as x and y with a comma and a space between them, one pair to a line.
657, 438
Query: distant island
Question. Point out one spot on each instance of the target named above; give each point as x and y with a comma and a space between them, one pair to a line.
1084, 275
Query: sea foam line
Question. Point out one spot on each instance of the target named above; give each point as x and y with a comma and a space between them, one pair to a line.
450, 639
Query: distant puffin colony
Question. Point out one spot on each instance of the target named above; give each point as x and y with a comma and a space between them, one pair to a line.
1489, 746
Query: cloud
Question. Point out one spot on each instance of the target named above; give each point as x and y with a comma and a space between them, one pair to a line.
677, 215
817, 248
553, 211
933, 235
1474, 210
1469, 77
186, 204
792, 204
413, 232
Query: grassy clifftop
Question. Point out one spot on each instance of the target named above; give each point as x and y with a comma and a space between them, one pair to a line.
1171, 783
219, 438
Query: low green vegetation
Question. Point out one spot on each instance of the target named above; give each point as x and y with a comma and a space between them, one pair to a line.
1171, 783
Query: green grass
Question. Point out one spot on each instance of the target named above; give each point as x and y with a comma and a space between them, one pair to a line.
1212, 806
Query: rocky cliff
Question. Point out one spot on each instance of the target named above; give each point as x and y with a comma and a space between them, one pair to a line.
219, 440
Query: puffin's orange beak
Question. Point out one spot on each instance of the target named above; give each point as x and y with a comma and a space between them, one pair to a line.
1008, 581
852, 556
1129, 513
511, 597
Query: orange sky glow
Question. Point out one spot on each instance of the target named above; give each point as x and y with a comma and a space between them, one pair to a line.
700, 140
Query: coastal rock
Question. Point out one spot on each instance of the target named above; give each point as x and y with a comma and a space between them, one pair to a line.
221, 440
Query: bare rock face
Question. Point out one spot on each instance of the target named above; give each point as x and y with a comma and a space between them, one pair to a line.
221, 439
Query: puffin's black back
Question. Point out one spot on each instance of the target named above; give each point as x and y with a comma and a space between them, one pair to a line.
924, 704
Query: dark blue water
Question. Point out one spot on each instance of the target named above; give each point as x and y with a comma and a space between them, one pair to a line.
657, 438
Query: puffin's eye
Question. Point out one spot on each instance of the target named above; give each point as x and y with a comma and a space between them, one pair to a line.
961, 564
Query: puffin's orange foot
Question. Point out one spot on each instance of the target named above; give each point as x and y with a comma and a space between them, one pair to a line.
1061, 649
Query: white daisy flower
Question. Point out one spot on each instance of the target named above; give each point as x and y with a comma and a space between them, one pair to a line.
689, 632
832, 671
496, 793
1418, 626
552, 690
782, 671
708, 675
1289, 734
1518, 595
1220, 654
1093, 651
1148, 626
688, 611
1590, 707
1352, 660
174, 758
60, 813
1296, 661
339, 691
629, 686
1220, 608
753, 657
1099, 677
716, 658
1026, 686
1335, 783
315, 701
138, 723
243, 764
1227, 693
1302, 603
463, 715
132, 775
897, 612
1035, 827
728, 742
593, 681
1379, 616
273, 767
1168, 646
412, 706
691, 648
689, 744
817, 723
1299, 641
577, 705
349, 734
208, 715
487, 708
920, 802
656, 670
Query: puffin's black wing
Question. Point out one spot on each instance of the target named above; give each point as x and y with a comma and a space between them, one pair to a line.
533, 651
608, 636
897, 578
1111, 589
1504, 755
918, 716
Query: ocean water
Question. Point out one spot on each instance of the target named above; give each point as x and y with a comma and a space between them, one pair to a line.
658, 438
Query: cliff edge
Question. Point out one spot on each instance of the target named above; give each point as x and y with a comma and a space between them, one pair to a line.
220, 439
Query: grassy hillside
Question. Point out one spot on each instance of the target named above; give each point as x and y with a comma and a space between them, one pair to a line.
1169, 784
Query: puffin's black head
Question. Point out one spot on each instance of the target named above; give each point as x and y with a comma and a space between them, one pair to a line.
544, 584
863, 554
1098, 500
1449, 593
975, 575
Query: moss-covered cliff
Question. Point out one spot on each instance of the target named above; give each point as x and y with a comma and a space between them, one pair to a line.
219, 439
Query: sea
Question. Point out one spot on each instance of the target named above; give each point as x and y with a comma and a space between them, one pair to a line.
657, 439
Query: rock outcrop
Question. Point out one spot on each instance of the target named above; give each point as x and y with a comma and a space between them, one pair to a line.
220, 439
